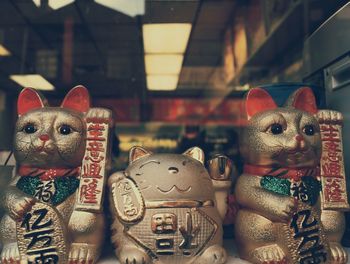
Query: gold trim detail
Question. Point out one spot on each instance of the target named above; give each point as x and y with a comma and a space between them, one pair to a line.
179, 203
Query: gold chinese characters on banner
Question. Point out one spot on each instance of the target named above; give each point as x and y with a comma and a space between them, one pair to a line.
334, 195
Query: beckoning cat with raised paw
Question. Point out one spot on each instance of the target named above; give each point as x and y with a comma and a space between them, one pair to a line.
164, 210
282, 219
42, 224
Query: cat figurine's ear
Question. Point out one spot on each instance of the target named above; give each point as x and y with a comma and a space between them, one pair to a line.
303, 99
77, 99
258, 100
136, 153
196, 153
28, 100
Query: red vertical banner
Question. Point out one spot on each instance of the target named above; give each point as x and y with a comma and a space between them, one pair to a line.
334, 195
93, 170
68, 38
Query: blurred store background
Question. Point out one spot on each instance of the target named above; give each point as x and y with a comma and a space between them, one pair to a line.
173, 71
168, 69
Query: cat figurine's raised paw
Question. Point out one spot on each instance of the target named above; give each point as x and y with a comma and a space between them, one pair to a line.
164, 210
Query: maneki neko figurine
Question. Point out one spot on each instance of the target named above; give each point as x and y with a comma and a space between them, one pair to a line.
165, 211
53, 206
288, 153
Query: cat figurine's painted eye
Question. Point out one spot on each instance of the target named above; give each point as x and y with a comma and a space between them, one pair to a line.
30, 129
276, 129
65, 130
309, 130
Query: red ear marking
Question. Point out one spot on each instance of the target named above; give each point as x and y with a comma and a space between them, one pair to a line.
77, 99
258, 100
304, 99
28, 100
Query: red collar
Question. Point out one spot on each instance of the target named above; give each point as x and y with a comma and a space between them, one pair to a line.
285, 173
48, 174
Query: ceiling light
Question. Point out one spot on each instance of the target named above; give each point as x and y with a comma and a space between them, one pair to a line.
163, 64
56, 4
4, 51
32, 80
37, 2
166, 37
130, 8
162, 82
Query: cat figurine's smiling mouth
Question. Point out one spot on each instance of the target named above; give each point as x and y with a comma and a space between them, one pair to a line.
296, 156
297, 152
175, 187
44, 149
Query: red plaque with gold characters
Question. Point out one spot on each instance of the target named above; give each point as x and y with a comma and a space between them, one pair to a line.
333, 179
92, 181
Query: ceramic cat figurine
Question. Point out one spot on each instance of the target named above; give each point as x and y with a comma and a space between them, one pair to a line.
164, 210
281, 220
49, 147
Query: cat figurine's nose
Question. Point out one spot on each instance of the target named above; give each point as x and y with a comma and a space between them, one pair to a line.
299, 138
300, 142
44, 137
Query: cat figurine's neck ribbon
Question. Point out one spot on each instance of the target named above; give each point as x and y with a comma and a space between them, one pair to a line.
48, 174
294, 174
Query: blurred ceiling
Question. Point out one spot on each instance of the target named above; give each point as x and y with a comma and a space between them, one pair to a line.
87, 43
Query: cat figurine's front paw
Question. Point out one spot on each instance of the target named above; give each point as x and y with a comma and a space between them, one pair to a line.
213, 255
285, 210
271, 254
10, 254
23, 205
339, 255
134, 255
82, 253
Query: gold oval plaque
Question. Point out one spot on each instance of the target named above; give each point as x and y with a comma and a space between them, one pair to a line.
128, 200
41, 236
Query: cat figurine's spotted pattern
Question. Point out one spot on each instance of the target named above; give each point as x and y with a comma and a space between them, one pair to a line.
49, 146
279, 188
164, 210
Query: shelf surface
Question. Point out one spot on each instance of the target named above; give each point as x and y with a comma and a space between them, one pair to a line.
228, 244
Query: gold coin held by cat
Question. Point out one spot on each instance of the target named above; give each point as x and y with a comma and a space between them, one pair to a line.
129, 203
41, 236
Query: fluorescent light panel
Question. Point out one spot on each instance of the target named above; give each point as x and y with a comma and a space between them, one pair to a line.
4, 51
162, 82
32, 80
163, 64
56, 4
166, 37
37, 2
128, 7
